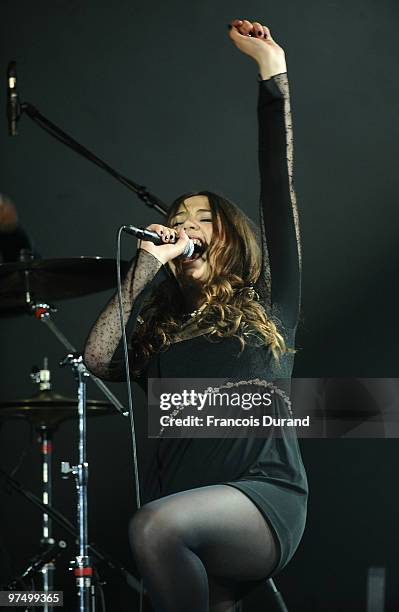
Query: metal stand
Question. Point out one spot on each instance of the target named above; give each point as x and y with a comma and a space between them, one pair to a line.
67, 526
278, 598
43, 313
36, 564
141, 191
82, 567
45, 441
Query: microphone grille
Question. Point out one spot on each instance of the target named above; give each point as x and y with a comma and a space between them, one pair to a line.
189, 250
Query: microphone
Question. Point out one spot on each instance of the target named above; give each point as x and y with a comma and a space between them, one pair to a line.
151, 236
13, 111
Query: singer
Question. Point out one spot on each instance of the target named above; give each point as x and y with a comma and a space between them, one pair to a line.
229, 513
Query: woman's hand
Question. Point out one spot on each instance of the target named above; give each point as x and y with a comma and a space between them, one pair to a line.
255, 40
168, 251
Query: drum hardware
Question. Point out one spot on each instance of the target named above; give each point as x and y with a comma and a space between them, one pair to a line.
38, 564
82, 567
29, 281
49, 409
140, 190
42, 377
43, 313
23, 282
46, 411
28, 286
69, 528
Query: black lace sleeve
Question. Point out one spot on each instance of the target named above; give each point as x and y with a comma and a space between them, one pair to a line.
104, 341
279, 284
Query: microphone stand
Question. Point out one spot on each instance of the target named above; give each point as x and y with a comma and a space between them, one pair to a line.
15, 109
48, 126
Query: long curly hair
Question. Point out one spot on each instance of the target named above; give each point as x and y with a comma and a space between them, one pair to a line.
235, 264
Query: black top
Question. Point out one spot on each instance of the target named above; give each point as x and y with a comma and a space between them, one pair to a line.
269, 471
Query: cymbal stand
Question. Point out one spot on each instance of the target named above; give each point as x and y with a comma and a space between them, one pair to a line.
37, 564
46, 450
43, 312
69, 528
45, 440
82, 567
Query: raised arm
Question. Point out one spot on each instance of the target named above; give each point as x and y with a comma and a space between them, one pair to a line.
278, 212
278, 209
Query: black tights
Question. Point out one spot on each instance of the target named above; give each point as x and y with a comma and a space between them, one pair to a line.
195, 550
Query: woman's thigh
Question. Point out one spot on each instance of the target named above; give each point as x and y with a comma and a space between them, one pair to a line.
222, 526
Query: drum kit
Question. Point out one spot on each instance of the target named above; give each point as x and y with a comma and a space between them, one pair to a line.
30, 287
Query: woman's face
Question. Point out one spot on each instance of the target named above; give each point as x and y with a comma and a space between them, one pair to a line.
195, 216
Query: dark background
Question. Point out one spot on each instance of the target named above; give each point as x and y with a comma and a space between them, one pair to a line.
158, 90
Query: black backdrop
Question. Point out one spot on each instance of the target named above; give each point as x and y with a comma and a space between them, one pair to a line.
158, 91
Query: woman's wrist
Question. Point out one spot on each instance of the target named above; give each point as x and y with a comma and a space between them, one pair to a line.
268, 69
147, 252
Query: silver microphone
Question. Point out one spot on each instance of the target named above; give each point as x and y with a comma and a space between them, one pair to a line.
151, 236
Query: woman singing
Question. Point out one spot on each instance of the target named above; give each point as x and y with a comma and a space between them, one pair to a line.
230, 512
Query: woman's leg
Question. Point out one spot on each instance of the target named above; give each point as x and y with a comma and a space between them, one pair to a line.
198, 544
222, 594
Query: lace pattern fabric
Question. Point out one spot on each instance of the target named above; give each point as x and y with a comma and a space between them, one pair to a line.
279, 283
105, 334
283, 84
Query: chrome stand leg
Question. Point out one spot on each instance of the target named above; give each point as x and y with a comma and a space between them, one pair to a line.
82, 567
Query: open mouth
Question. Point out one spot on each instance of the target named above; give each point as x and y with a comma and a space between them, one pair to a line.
199, 249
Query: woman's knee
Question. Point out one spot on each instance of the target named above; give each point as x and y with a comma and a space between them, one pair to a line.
152, 531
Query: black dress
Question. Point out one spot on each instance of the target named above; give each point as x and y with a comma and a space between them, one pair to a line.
269, 471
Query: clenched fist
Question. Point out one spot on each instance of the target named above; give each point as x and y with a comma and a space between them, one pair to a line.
169, 250
255, 40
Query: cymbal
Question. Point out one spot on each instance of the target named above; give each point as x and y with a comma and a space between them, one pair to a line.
49, 408
51, 280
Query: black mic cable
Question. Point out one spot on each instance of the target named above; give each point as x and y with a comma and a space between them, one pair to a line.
129, 387
13, 106
152, 236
